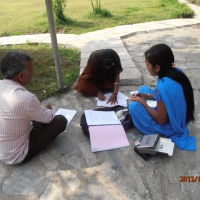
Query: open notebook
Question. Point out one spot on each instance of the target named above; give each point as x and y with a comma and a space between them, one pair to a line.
106, 131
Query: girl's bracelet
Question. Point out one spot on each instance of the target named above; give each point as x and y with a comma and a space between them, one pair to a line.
115, 83
115, 93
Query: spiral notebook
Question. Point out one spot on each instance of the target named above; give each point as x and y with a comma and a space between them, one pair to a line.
106, 131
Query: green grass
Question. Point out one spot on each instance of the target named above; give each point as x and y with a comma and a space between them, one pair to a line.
99, 13
44, 82
28, 17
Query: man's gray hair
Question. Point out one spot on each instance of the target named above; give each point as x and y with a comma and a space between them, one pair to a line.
13, 63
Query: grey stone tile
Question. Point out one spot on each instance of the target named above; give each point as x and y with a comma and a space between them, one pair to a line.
52, 191
48, 161
70, 177
21, 182
130, 76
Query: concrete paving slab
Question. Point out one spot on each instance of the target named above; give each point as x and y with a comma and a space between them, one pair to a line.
11, 40
66, 38
180, 22
96, 38
130, 76
128, 64
2, 39
61, 38
83, 62
90, 47
120, 50
153, 26
26, 39
97, 33
40, 37
124, 56
85, 55
92, 36
114, 44
33, 38
124, 31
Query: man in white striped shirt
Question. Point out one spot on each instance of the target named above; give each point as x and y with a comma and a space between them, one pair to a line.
26, 126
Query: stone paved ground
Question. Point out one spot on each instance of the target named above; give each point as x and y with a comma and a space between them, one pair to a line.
69, 170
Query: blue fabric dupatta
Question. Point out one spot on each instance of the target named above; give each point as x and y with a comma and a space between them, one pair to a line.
174, 99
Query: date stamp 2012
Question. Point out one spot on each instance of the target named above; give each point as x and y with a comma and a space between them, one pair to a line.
189, 179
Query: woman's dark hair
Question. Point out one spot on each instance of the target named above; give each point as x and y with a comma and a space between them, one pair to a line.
162, 55
101, 57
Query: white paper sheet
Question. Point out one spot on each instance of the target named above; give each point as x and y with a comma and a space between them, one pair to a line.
134, 92
101, 117
68, 114
165, 145
121, 98
151, 103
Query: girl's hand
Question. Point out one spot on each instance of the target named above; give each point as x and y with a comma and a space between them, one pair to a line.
136, 98
143, 96
100, 96
113, 99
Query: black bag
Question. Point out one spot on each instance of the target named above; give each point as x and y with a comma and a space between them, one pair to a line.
121, 112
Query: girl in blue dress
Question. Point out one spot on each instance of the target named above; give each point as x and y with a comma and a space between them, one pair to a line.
174, 96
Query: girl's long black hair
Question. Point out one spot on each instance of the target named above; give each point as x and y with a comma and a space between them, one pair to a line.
162, 55
97, 58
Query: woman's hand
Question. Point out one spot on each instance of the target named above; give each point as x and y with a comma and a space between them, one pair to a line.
136, 98
143, 96
159, 115
113, 99
100, 96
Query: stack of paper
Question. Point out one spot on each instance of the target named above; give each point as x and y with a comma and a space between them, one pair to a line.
68, 114
121, 98
151, 103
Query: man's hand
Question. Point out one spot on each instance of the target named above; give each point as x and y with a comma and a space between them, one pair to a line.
48, 106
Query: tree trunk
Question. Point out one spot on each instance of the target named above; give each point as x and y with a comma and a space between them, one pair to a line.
92, 5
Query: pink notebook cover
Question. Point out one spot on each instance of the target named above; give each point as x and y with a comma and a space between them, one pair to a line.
107, 137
